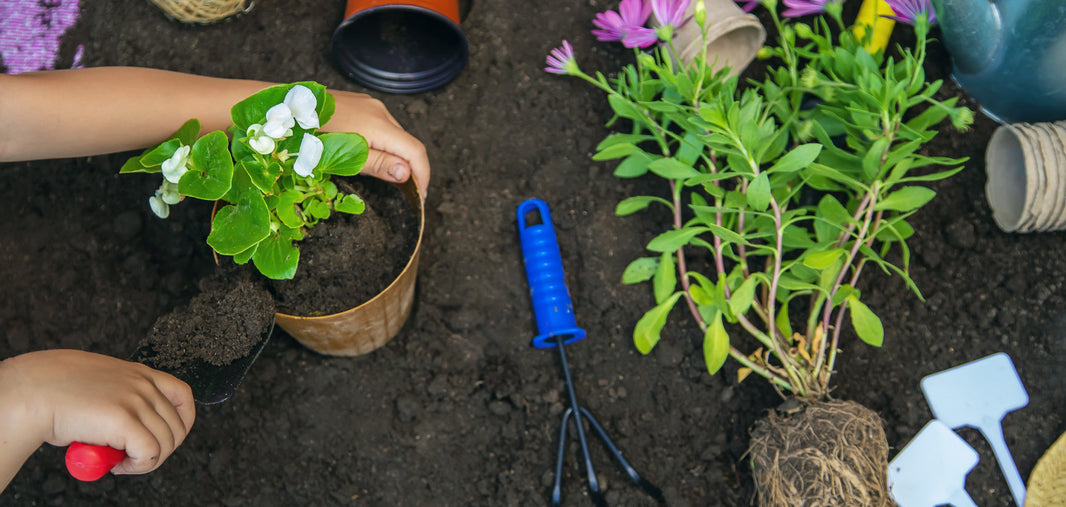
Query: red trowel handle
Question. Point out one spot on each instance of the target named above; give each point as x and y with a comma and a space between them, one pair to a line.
90, 462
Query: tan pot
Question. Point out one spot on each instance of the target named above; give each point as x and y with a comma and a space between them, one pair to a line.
202, 11
370, 325
733, 36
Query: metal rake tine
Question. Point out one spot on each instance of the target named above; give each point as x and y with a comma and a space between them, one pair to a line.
594, 484
648, 487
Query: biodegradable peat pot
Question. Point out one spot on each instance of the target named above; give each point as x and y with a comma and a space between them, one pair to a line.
371, 324
733, 37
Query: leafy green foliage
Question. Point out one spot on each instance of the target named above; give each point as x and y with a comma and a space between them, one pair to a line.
784, 188
266, 205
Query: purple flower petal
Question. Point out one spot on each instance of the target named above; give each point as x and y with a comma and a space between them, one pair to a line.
670, 12
907, 11
640, 37
749, 5
561, 59
797, 8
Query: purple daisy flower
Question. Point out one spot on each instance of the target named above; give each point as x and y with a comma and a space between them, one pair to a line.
670, 12
907, 11
749, 5
561, 60
640, 37
797, 8
614, 26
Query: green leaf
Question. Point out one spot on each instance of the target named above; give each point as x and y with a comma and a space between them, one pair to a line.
633, 166
715, 344
906, 199
210, 173
263, 176
649, 328
867, 325
236, 227
614, 139
634, 204
740, 300
343, 153
673, 169
782, 321
623, 108
317, 209
671, 240
800, 157
156, 156
616, 151
665, 280
822, 260
640, 270
759, 192
286, 209
350, 203
276, 257
245, 256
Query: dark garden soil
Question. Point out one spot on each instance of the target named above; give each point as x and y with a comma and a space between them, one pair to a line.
458, 409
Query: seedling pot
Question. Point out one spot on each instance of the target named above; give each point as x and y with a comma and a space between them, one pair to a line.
372, 324
733, 36
400, 46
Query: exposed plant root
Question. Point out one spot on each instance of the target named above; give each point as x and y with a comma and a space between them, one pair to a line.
824, 453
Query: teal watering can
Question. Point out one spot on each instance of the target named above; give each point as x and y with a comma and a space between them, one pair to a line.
1010, 55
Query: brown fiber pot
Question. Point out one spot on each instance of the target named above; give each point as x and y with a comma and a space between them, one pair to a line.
370, 325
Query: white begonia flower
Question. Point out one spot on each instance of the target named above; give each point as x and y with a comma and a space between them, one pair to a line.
302, 102
309, 156
160, 208
260, 142
168, 192
175, 166
279, 120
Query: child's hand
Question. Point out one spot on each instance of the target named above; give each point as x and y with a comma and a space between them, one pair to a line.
394, 154
64, 396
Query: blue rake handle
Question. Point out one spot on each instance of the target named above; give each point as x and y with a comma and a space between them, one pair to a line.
556, 327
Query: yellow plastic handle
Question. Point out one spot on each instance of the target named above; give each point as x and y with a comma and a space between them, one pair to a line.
870, 13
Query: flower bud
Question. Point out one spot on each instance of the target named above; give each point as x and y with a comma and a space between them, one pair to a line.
769, 4
645, 60
765, 53
961, 118
789, 35
804, 31
809, 78
700, 13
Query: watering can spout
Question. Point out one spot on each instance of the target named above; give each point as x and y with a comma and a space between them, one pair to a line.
972, 31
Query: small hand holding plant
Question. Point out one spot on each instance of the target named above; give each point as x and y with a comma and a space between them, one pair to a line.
788, 186
271, 174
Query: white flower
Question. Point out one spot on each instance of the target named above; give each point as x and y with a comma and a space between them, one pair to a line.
309, 156
279, 120
174, 167
261, 143
168, 192
302, 102
160, 208
299, 106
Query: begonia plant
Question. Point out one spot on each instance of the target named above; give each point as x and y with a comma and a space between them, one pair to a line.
271, 175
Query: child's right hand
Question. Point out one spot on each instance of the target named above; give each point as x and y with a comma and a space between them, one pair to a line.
65, 396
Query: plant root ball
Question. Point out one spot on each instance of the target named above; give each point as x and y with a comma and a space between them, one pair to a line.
820, 453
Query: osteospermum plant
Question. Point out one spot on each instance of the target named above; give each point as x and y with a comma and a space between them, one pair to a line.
789, 187
271, 175
780, 193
